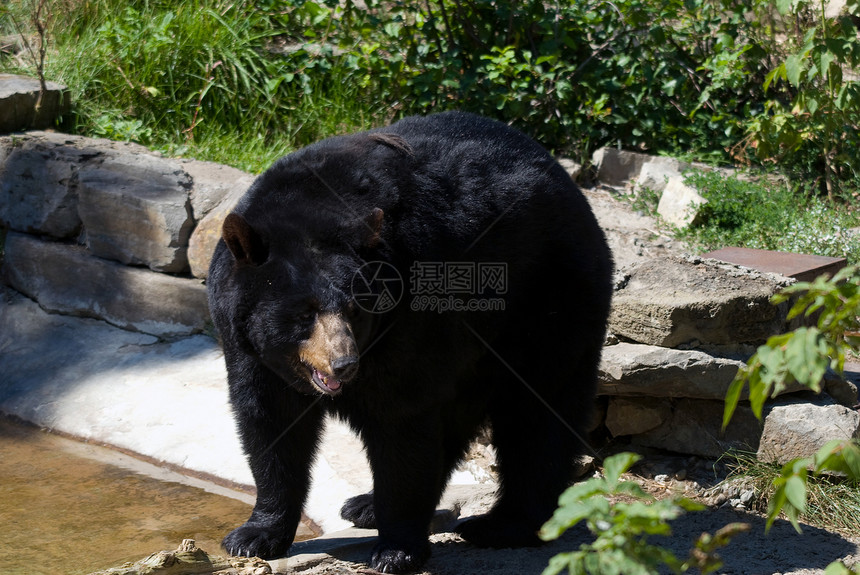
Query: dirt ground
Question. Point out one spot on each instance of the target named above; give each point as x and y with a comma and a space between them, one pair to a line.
780, 551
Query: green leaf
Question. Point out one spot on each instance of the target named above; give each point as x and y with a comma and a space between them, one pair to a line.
789, 495
795, 492
840, 456
777, 73
633, 489
775, 505
784, 6
616, 465
392, 29
733, 395
824, 61
806, 357
793, 69
837, 568
560, 562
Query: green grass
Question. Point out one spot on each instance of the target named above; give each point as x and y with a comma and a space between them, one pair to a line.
833, 503
765, 214
194, 78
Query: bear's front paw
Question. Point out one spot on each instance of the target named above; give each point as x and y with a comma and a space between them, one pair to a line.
388, 558
360, 511
257, 540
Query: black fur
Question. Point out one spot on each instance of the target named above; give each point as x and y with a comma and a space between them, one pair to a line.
450, 187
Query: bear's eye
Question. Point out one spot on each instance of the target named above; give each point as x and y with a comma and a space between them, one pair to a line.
306, 317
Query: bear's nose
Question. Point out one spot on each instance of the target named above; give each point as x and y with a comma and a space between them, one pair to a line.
345, 367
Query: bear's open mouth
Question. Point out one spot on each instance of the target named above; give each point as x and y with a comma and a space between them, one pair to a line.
326, 383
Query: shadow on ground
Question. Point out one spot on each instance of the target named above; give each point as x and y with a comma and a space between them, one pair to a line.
781, 550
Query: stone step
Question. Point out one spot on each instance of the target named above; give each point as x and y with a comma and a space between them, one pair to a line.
65, 279
690, 302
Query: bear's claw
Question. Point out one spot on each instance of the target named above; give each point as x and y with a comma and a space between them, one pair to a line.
387, 559
257, 541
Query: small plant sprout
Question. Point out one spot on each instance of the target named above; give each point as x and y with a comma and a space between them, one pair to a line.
622, 517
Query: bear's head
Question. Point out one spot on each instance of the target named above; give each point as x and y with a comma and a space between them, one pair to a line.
290, 300
281, 280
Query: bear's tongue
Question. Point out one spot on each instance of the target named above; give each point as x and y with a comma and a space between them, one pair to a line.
327, 382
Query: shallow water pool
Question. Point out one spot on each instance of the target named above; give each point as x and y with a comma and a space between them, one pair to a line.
72, 508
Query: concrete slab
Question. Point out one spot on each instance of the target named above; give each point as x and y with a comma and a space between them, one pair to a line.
165, 401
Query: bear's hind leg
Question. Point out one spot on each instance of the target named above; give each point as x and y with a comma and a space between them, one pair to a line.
538, 430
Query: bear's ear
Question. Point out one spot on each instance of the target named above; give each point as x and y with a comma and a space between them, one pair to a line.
244, 243
394, 142
374, 227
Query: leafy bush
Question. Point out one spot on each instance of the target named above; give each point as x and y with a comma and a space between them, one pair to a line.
811, 121
714, 79
197, 75
575, 75
641, 73
805, 354
621, 527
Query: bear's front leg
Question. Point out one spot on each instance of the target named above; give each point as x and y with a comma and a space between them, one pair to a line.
408, 479
279, 429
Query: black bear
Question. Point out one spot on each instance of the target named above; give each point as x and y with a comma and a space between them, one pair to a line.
504, 295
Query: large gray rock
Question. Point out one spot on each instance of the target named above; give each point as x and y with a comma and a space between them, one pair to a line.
632, 416
672, 302
18, 98
620, 167
133, 206
206, 234
136, 209
637, 370
212, 183
572, 168
796, 428
694, 426
617, 167
64, 279
37, 191
656, 173
680, 204
78, 148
